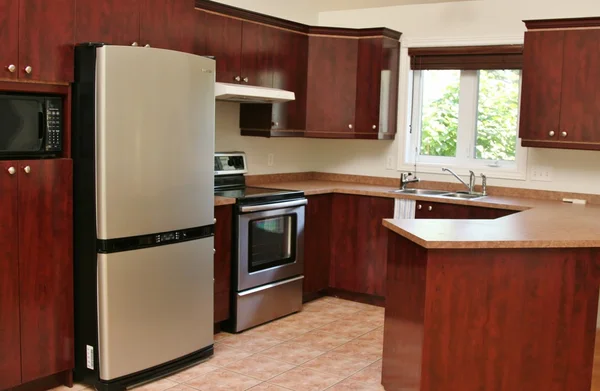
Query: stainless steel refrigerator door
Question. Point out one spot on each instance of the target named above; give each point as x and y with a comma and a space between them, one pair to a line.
155, 305
154, 141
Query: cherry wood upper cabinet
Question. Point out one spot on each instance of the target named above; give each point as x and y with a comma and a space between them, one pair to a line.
45, 266
560, 106
257, 54
541, 85
331, 86
46, 37
168, 24
115, 22
377, 86
10, 344
580, 103
9, 36
224, 42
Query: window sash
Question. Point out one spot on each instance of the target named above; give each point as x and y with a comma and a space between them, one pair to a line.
466, 134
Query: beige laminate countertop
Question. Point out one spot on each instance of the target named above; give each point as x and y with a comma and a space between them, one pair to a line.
220, 201
538, 224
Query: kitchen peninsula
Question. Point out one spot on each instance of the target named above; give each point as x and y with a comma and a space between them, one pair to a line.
507, 304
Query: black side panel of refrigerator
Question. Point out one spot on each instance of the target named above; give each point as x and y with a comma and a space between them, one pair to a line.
84, 203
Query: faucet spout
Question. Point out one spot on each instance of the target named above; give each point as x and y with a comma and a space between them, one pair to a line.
469, 185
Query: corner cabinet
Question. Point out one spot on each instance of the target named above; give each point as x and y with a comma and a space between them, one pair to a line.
36, 272
353, 83
561, 72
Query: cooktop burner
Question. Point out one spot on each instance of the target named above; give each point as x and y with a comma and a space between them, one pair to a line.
256, 192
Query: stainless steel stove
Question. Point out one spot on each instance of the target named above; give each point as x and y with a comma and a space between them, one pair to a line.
268, 245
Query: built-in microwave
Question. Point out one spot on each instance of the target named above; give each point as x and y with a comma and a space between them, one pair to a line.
30, 126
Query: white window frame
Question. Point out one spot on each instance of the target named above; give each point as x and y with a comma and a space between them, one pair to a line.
466, 139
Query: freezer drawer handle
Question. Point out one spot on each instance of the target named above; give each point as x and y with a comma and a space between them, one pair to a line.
279, 205
269, 286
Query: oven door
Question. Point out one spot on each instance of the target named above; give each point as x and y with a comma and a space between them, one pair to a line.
270, 243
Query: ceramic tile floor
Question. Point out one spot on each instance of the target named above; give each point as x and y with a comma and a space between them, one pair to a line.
332, 344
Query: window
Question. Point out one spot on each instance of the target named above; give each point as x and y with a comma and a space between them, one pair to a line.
465, 114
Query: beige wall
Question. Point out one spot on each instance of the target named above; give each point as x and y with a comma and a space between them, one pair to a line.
293, 10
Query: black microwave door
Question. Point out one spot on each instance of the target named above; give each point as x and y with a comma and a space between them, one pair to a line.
21, 124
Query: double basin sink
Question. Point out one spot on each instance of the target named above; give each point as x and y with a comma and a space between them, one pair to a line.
439, 193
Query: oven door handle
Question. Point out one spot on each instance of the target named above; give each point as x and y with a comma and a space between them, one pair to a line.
278, 205
269, 286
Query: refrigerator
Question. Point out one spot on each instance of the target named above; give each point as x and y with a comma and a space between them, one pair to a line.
143, 147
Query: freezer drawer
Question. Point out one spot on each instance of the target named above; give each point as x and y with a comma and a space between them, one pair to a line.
268, 302
154, 305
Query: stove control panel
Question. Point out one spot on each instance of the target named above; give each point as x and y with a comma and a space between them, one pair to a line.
230, 163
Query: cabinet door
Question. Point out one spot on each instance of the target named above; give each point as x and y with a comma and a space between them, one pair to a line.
344, 259
331, 85
371, 244
368, 88
9, 36
46, 266
257, 54
435, 210
289, 73
488, 213
46, 38
317, 245
168, 24
224, 42
223, 260
542, 85
115, 22
580, 105
10, 345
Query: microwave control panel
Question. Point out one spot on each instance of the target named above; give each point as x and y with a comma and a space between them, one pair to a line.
54, 124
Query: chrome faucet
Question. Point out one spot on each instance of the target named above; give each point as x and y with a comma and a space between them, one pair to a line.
404, 179
483, 184
470, 185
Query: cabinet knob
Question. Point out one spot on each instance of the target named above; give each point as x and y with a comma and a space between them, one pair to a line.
147, 45
214, 221
11, 68
564, 134
430, 208
551, 133
246, 80
275, 123
419, 207
11, 171
374, 126
237, 78
27, 169
134, 44
350, 126
28, 69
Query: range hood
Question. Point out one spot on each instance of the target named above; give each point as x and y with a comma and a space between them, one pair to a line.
249, 94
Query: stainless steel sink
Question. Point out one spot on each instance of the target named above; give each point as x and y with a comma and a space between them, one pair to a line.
419, 192
464, 196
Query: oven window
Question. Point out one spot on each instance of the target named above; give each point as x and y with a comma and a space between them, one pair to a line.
272, 242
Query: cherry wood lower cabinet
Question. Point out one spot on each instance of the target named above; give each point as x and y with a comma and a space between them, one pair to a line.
359, 243
489, 319
37, 314
223, 260
10, 345
317, 244
437, 210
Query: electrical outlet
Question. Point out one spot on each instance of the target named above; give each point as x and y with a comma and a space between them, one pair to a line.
389, 163
542, 174
89, 357
270, 159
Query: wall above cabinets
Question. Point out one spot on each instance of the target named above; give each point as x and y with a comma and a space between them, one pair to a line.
345, 80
